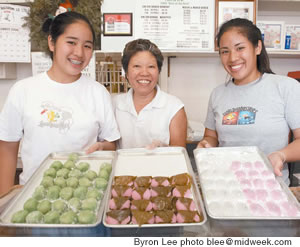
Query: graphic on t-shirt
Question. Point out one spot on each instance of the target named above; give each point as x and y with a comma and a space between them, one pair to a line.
55, 117
239, 116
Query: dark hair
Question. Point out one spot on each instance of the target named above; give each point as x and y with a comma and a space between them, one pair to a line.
56, 26
132, 47
253, 34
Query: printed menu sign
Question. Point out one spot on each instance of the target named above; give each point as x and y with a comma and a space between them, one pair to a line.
176, 24
14, 39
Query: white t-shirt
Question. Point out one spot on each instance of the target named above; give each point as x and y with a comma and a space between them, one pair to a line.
152, 122
53, 117
260, 113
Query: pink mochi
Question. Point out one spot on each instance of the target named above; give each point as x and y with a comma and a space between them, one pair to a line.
245, 183
151, 221
253, 173
272, 184
258, 183
273, 208
240, 175
277, 195
250, 194
247, 165
160, 220
258, 165
258, 210
289, 209
112, 205
181, 206
113, 221
267, 174
235, 165
137, 196
187, 193
261, 195
127, 193
180, 218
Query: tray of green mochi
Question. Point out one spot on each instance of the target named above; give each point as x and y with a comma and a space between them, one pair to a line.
67, 190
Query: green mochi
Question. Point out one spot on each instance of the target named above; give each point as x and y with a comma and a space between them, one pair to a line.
59, 206
53, 192
52, 217
86, 217
63, 172
39, 193
75, 204
84, 182
107, 167
44, 206
72, 182
94, 193
103, 173
47, 181
66, 193
69, 164
56, 165
60, 181
30, 205
68, 217
101, 183
75, 173
91, 175
83, 166
89, 204
34, 217
51, 172
80, 192
73, 157
19, 216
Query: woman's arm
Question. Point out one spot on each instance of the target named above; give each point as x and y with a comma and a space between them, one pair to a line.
288, 154
8, 164
209, 140
104, 145
178, 129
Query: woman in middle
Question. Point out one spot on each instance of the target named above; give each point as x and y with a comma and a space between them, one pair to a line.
147, 117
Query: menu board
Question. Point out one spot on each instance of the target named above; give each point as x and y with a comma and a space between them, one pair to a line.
41, 62
14, 39
176, 24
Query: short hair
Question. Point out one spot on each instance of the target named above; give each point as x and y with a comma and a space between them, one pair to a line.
135, 46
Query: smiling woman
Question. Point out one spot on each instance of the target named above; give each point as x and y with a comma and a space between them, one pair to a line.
58, 110
254, 107
147, 116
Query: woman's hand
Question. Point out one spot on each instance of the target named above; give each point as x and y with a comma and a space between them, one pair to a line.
95, 147
204, 144
277, 160
155, 144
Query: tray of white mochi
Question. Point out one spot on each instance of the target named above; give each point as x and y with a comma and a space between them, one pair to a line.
239, 183
67, 190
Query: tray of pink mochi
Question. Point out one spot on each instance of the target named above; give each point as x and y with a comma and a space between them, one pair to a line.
239, 183
153, 189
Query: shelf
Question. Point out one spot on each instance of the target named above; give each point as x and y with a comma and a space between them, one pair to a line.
272, 54
16, 1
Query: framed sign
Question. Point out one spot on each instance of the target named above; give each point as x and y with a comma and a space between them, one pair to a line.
227, 10
117, 24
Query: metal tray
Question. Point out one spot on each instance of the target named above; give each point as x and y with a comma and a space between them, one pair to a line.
166, 161
213, 165
95, 160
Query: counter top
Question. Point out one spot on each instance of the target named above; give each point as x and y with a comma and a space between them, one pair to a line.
212, 228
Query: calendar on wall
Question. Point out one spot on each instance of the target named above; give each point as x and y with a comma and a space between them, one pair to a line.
14, 39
